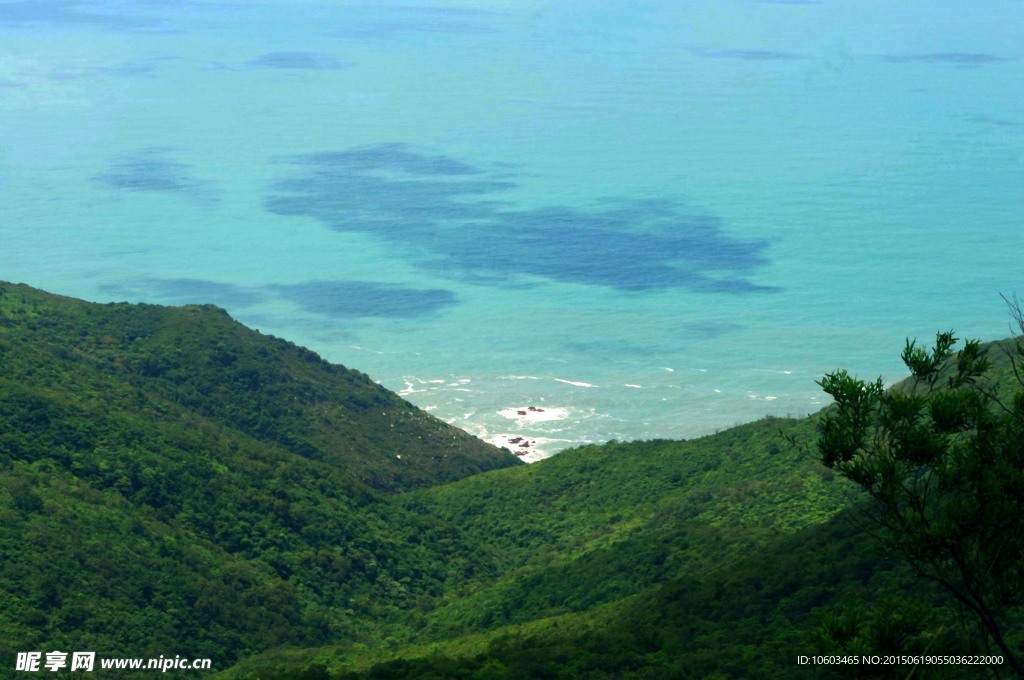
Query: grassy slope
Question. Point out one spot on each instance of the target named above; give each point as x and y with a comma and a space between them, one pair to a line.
602, 522
596, 534
172, 482
175, 483
642, 559
746, 617
199, 359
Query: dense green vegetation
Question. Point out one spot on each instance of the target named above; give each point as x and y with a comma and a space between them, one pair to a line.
158, 363
176, 483
173, 483
944, 461
643, 560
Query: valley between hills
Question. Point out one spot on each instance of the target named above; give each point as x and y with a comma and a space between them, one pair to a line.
174, 483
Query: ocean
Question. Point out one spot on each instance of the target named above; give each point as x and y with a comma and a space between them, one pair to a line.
548, 223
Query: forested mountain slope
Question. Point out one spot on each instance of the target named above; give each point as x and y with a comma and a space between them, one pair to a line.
175, 483
725, 556
149, 359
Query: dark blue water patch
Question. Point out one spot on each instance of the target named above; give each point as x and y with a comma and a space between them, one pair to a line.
636, 252
953, 58
343, 299
997, 122
6, 83
448, 216
74, 13
361, 299
392, 158
185, 291
152, 170
313, 61
387, 189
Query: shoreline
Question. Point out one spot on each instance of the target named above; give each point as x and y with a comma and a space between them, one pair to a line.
528, 448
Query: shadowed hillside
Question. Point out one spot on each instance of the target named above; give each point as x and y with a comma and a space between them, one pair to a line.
176, 484
163, 360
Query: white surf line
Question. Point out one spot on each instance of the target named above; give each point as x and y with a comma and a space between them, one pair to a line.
363, 349
573, 382
534, 414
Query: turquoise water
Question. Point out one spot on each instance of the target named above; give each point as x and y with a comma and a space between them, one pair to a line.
643, 219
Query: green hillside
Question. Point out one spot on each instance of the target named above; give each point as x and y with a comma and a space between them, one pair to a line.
636, 559
726, 556
174, 483
162, 361
603, 522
